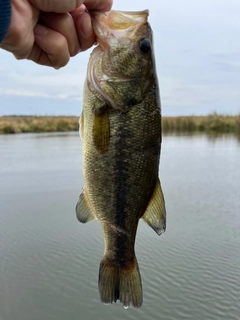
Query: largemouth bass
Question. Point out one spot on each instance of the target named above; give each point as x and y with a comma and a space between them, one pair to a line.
121, 130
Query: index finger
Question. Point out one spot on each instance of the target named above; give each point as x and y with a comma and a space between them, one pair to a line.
99, 5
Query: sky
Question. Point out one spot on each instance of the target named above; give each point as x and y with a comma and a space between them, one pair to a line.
197, 52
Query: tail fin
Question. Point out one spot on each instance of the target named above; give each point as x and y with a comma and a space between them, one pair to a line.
123, 284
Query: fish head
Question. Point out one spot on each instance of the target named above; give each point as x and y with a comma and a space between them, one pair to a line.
121, 67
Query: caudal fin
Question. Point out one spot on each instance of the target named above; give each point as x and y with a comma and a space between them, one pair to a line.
117, 283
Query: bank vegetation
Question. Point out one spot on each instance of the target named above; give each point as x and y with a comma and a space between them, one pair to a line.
182, 124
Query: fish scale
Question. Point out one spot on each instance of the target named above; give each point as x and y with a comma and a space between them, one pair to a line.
121, 150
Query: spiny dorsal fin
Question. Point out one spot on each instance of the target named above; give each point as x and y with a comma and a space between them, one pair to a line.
83, 210
155, 214
101, 130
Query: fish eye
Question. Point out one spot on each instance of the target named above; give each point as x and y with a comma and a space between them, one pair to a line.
144, 45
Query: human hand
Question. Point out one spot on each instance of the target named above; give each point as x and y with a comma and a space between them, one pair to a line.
50, 32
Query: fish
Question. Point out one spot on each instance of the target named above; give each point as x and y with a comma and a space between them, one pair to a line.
120, 126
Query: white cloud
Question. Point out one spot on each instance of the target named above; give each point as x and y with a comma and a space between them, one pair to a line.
21, 93
197, 51
33, 80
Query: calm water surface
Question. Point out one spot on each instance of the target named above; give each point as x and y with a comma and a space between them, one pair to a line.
49, 262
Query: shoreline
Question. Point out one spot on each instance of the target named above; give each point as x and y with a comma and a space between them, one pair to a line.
181, 124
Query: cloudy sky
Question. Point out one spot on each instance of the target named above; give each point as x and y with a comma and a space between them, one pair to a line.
197, 50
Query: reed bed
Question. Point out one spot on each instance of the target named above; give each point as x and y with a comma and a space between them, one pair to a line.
183, 124
211, 123
23, 124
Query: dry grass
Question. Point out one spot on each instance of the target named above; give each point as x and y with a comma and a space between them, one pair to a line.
211, 123
21, 124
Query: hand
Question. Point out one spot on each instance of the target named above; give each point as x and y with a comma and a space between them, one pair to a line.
49, 32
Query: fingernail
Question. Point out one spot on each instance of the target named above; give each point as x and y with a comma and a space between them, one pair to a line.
40, 30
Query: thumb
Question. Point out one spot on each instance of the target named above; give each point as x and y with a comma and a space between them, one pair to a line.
57, 6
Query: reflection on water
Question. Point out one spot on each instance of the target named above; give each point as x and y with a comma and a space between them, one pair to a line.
209, 135
49, 262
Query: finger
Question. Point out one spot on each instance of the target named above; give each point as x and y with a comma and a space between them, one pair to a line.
58, 6
64, 24
100, 5
50, 48
84, 29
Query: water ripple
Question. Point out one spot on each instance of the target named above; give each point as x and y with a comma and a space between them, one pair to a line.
49, 262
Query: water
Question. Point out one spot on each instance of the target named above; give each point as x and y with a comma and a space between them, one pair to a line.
49, 261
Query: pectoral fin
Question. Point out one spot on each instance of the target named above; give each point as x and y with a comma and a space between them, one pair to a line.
155, 214
101, 131
83, 209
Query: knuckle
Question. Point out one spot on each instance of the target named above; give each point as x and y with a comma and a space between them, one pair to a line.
61, 45
19, 36
18, 41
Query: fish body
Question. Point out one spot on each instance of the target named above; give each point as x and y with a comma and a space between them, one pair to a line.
121, 130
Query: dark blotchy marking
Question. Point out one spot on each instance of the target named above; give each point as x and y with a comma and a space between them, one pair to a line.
132, 102
99, 111
116, 294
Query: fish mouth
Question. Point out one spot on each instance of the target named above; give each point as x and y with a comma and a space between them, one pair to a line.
118, 20
116, 24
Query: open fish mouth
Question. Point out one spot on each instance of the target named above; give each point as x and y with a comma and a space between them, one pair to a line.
116, 24
118, 20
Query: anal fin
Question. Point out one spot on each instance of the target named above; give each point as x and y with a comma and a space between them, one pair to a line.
155, 214
83, 209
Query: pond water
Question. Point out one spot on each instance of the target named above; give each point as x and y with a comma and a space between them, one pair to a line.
49, 261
